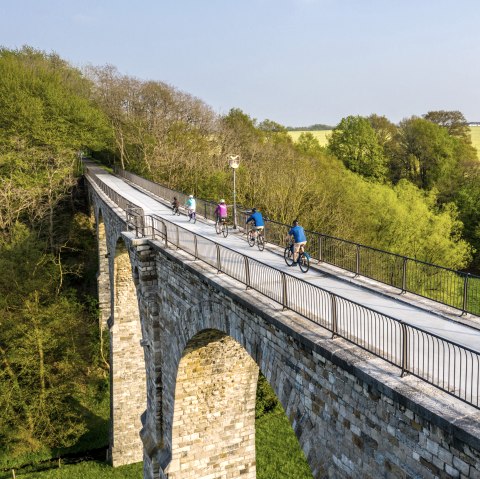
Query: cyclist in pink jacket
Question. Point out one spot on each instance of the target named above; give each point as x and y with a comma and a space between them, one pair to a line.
221, 212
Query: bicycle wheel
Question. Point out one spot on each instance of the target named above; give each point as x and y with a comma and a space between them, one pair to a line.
251, 238
260, 242
218, 227
304, 262
288, 255
225, 230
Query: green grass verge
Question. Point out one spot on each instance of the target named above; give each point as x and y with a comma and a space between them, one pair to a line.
278, 451
278, 456
83, 470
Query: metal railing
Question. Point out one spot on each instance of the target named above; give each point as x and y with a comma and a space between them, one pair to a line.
134, 215
444, 285
449, 366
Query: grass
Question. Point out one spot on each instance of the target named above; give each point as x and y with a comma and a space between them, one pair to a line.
278, 452
278, 456
83, 470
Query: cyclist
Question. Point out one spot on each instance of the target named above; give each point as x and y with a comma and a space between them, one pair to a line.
191, 206
257, 219
297, 233
221, 212
175, 204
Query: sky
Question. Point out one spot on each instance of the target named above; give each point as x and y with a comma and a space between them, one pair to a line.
296, 62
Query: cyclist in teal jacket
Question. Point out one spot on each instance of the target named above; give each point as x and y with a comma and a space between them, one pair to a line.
299, 237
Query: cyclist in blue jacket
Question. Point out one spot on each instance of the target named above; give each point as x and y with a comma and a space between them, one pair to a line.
299, 237
257, 219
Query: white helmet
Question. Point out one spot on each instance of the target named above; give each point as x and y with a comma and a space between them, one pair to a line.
222, 201
191, 196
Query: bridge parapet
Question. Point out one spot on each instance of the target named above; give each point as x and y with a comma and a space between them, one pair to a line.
353, 413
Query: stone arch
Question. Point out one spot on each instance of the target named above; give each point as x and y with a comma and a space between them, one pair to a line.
214, 411
127, 364
185, 336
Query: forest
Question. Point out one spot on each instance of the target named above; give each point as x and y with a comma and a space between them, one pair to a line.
411, 188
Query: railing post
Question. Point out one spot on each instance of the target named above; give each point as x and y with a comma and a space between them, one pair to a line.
333, 305
284, 292
196, 246
178, 238
357, 260
165, 234
219, 264
205, 209
404, 349
320, 246
404, 275
465, 294
247, 271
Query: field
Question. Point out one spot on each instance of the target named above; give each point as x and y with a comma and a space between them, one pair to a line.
322, 136
475, 130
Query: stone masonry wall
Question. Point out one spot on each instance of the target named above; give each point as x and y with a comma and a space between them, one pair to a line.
353, 414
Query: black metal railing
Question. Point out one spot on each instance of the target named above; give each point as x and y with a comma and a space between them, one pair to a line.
449, 366
443, 285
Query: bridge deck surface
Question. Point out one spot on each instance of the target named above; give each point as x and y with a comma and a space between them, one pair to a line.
411, 314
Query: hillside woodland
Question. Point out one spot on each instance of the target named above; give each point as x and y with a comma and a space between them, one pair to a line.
411, 188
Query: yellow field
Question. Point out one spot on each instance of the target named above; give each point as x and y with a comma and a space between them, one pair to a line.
475, 130
322, 136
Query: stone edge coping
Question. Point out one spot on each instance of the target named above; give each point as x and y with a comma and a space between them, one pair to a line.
447, 412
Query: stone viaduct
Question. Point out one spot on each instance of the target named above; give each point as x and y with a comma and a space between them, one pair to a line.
186, 346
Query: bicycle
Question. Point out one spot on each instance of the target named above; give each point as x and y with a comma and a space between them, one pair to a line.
303, 260
256, 235
221, 226
192, 215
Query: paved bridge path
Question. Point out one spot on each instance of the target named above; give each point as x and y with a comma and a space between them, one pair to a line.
416, 316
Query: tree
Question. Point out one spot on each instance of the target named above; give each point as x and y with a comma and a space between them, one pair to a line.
425, 153
453, 121
355, 142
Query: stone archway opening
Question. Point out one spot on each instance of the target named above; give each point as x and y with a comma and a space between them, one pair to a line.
213, 432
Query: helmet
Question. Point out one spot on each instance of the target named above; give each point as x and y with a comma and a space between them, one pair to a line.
191, 196
222, 201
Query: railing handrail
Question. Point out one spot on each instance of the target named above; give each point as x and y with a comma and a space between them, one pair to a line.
464, 276
377, 344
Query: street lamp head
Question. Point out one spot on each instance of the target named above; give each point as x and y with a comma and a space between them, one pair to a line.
234, 161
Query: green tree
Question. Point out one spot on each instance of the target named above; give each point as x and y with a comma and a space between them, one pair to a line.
355, 142
453, 121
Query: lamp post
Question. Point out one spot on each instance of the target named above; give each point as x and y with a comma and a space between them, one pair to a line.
234, 162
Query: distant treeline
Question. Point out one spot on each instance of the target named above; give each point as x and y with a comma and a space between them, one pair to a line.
317, 127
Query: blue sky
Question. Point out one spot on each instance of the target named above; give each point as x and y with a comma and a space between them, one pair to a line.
297, 62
